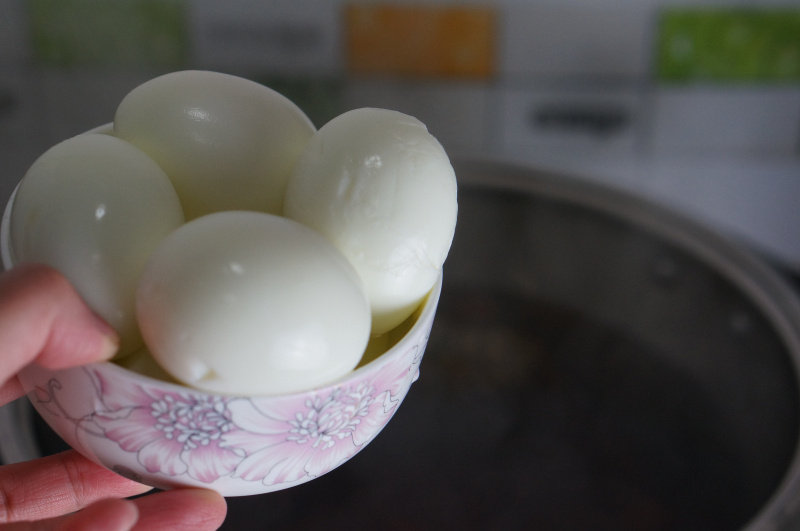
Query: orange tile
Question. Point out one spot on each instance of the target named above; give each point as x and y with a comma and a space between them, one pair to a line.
420, 41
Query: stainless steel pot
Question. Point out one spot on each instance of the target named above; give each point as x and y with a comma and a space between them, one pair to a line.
598, 362
650, 364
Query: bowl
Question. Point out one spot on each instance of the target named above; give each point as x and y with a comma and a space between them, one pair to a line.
167, 435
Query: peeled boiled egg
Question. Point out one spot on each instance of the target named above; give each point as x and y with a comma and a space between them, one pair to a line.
252, 303
226, 142
382, 189
94, 207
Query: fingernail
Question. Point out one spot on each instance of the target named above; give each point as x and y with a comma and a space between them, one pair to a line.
211, 508
110, 346
127, 516
110, 338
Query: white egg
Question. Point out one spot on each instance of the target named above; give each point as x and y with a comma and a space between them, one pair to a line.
252, 303
226, 142
94, 207
382, 189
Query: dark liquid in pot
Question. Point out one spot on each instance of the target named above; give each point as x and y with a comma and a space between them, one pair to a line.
527, 415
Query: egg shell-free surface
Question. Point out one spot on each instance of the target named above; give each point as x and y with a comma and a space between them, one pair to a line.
94, 207
382, 189
251, 303
226, 142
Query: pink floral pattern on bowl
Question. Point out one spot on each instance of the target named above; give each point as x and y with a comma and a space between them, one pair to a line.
167, 435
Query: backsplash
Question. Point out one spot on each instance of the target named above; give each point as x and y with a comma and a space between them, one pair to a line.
696, 105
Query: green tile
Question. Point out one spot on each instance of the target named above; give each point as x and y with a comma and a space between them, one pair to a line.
109, 33
728, 45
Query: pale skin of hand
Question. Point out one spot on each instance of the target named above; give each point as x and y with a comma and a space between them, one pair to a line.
44, 321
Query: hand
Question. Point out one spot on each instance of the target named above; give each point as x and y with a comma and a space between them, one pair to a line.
44, 321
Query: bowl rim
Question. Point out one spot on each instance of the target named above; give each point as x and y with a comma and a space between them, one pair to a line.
423, 318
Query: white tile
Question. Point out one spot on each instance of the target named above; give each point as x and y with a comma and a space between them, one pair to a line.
22, 133
75, 101
752, 200
455, 112
569, 124
742, 121
281, 36
18, 103
558, 41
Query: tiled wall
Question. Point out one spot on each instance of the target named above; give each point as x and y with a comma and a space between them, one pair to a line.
660, 96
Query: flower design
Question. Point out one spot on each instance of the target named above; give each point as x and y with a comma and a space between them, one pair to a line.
293, 442
299, 438
172, 433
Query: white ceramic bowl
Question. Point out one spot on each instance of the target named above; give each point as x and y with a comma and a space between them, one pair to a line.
167, 435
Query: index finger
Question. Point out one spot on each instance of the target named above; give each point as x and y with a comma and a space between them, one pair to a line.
44, 320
